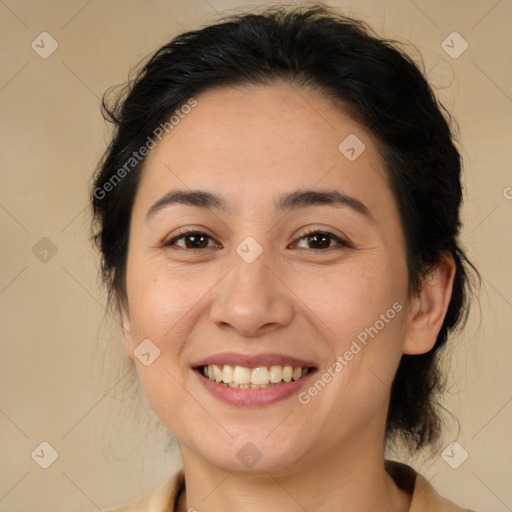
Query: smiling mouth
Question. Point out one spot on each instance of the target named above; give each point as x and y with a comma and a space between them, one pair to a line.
261, 377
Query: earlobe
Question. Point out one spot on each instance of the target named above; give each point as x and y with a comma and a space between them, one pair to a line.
126, 327
429, 307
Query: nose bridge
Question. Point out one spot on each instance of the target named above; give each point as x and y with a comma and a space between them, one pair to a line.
251, 269
251, 297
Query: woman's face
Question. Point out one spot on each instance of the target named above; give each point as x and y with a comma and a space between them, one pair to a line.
253, 283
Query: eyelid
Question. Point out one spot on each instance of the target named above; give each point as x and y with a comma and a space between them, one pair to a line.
183, 233
342, 240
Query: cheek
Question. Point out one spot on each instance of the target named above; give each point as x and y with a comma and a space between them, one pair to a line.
161, 298
360, 311
162, 309
351, 297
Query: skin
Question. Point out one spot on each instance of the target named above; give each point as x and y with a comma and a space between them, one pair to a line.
250, 145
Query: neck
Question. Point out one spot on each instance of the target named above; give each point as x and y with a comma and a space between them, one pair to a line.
355, 480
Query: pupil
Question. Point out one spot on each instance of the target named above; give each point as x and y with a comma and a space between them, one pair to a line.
318, 235
197, 238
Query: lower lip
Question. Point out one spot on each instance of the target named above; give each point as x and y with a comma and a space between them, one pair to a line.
251, 396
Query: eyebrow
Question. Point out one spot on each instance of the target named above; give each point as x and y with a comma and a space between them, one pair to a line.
287, 202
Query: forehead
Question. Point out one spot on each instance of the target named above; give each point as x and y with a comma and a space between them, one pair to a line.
259, 142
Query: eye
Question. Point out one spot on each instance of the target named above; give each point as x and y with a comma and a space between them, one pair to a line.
198, 240
322, 240
192, 240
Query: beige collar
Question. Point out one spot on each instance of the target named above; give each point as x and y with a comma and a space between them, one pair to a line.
424, 496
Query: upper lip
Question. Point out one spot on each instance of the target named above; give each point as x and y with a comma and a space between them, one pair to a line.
252, 361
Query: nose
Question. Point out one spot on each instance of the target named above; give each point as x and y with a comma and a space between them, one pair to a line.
252, 299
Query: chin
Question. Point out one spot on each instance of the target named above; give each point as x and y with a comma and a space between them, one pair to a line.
252, 454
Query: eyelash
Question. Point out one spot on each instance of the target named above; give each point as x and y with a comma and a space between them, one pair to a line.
184, 234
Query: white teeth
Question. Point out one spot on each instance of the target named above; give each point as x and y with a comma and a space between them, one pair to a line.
287, 373
276, 374
259, 375
217, 373
227, 374
242, 375
253, 378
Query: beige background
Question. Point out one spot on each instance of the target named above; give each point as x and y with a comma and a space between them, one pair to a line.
63, 372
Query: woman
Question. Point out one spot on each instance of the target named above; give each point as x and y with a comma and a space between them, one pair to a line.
278, 216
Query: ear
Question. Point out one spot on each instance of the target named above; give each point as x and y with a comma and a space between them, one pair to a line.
429, 307
124, 315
